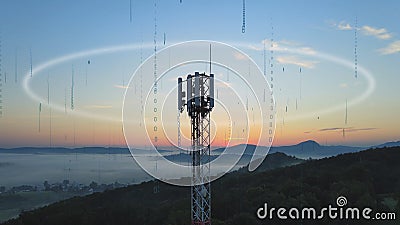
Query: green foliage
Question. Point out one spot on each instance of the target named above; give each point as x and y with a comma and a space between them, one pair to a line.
365, 178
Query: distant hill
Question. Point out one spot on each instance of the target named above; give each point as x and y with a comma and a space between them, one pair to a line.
311, 149
248, 149
388, 144
367, 178
272, 161
84, 150
304, 150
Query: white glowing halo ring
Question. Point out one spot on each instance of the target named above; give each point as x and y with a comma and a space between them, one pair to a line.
213, 63
66, 58
119, 48
258, 154
363, 71
253, 163
216, 100
215, 161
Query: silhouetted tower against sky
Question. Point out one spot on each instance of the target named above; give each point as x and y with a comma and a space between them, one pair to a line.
199, 103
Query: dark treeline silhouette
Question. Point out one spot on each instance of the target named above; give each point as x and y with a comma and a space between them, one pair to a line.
367, 179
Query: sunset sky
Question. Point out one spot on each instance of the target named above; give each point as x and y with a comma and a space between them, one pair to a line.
93, 48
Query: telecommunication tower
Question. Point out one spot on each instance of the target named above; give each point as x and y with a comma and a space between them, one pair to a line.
199, 104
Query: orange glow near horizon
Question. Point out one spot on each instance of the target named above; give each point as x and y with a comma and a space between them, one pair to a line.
99, 133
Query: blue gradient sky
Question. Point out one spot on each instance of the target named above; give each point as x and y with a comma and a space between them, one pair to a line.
51, 29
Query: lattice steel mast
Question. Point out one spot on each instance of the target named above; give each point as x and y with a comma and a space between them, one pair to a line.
200, 102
